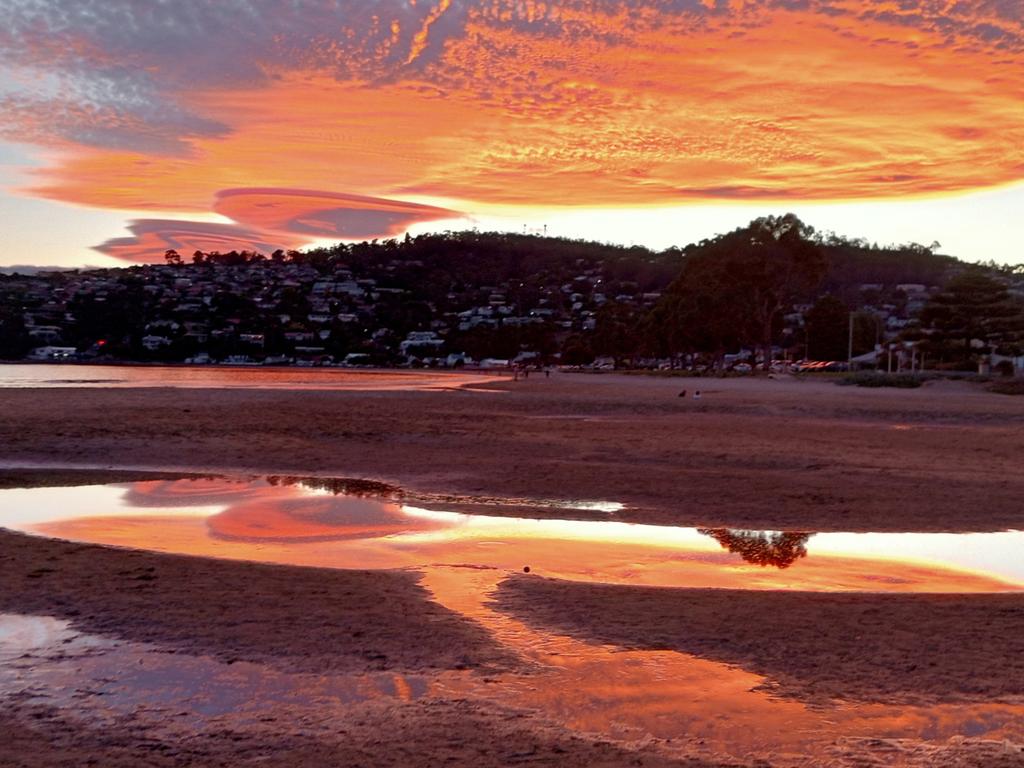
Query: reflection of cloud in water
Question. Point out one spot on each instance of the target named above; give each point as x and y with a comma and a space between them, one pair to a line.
163, 494
283, 508
318, 518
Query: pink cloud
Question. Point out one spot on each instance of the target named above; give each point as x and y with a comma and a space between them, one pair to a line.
314, 214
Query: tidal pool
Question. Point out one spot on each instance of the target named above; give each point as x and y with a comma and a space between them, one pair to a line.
701, 705
359, 524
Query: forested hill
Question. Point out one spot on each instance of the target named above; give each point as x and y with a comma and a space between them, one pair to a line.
440, 297
484, 258
492, 258
852, 264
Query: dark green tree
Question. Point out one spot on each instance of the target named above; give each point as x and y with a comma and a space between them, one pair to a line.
14, 339
734, 288
616, 332
773, 262
828, 327
973, 315
576, 350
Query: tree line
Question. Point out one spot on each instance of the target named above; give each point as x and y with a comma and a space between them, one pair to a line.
733, 291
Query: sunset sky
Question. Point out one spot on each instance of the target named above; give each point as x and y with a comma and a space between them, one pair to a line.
128, 127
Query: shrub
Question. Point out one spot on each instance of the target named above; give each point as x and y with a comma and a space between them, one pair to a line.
1010, 387
879, 379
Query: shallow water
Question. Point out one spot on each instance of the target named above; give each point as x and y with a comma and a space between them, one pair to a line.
44, 660
47, 375
353, 525
701, 705
704, 707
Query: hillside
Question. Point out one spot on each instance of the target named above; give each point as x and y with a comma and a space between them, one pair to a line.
440, 297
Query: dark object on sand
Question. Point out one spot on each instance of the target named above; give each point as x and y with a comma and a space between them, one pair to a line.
683, 393
526, 569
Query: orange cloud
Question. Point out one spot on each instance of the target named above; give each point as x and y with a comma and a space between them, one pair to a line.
588, 103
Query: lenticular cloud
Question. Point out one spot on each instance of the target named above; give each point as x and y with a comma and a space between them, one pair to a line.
271, 218
150, 238
316, 214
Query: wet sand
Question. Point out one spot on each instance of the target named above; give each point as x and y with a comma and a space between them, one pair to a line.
768, 454
375, 735
320, 621
61, 478
763, 455
814, 647
312, 619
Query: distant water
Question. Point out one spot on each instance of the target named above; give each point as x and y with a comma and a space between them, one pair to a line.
222, 377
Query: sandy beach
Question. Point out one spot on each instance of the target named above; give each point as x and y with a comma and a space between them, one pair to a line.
771, 454
789, 454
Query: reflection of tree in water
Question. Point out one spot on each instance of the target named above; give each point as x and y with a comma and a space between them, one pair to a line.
778, 548
339, 486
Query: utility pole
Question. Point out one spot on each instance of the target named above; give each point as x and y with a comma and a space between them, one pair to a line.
849, 347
